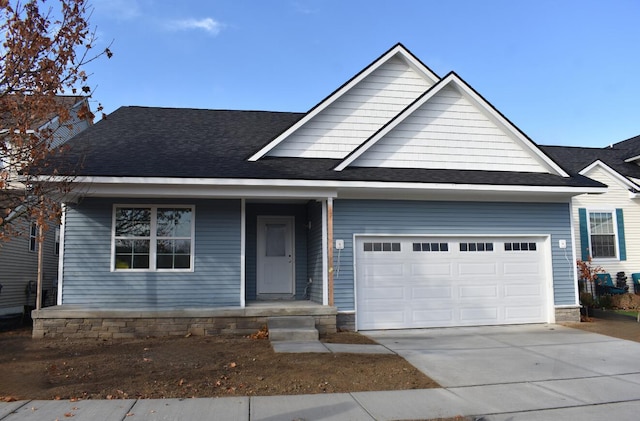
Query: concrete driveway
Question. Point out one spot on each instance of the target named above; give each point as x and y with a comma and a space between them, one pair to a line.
507, 371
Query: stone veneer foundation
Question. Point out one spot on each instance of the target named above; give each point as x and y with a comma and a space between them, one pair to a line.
69, 322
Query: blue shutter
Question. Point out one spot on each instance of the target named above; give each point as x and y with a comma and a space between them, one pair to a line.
584, 234
621, 242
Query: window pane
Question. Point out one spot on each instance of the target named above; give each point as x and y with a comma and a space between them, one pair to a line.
417, 247
182, 262
603, 246
140, 261
133, 222
164, 261
444, 246
276, 240
489, 246
601, 223
174, 222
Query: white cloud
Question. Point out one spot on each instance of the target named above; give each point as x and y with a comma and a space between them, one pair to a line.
209, 25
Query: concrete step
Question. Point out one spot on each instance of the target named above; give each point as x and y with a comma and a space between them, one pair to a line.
292, 328
293, 335
291, 322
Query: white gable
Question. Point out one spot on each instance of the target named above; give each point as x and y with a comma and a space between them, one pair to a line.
357, 114
451, 127
449, 132
356, 110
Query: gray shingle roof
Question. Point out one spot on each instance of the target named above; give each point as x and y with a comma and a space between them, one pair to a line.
575, 159
195, 143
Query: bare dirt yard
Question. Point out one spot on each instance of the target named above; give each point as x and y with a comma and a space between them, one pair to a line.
211, 366
189, 367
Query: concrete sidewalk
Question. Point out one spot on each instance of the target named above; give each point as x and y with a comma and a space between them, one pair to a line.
534, 372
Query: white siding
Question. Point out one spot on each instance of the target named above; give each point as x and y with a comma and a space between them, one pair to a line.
449, 132
616, 197
357, 114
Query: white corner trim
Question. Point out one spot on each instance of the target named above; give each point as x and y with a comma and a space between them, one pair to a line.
397, 50
613, 173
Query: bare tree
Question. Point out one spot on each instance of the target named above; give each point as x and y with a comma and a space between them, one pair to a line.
42, 57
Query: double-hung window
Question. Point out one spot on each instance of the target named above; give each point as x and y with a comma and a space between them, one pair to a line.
602, 234
153, 237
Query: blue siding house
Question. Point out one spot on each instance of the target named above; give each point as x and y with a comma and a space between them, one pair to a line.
402, 200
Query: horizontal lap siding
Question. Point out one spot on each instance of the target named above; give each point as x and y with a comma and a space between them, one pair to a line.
616, 197
451, 218
215, 281
18, 266
449, 132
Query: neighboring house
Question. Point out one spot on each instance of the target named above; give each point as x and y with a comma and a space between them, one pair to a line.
402, 200
18, 256
607, 226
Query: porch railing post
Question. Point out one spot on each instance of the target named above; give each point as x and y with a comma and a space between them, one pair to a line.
330, 248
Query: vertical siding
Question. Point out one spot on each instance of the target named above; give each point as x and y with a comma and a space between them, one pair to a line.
617, 197
314, 251
359, 113
215, 281
412, 217
299, 212
449, 132
18, 266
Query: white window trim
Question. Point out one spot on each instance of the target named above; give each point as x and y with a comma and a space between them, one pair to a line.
152, 242
614, 221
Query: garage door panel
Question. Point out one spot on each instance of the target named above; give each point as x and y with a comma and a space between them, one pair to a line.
523, 312
432, 270
431, 293
386, 294
382, 269
418, 287
521, 268
476, 269
479, 315
478, 291
432, 317
526, 291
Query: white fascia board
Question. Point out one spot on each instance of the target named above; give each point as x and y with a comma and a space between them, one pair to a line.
258, 188
613, 173
632, 159
397, 50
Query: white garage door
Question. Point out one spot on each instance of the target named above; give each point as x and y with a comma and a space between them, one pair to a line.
414, 282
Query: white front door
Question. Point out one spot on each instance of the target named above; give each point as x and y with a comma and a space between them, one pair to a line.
275, 262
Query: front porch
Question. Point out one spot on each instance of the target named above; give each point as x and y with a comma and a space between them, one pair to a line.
78, 322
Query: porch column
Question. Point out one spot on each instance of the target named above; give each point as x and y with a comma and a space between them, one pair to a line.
330, 248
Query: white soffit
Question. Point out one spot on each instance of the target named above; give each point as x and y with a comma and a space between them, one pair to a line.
522, 148
398, 51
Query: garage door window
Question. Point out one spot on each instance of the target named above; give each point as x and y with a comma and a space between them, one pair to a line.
373, 247
476, 246
430, 246
520, 247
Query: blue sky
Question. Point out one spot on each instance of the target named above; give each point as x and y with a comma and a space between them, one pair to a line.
564, 71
